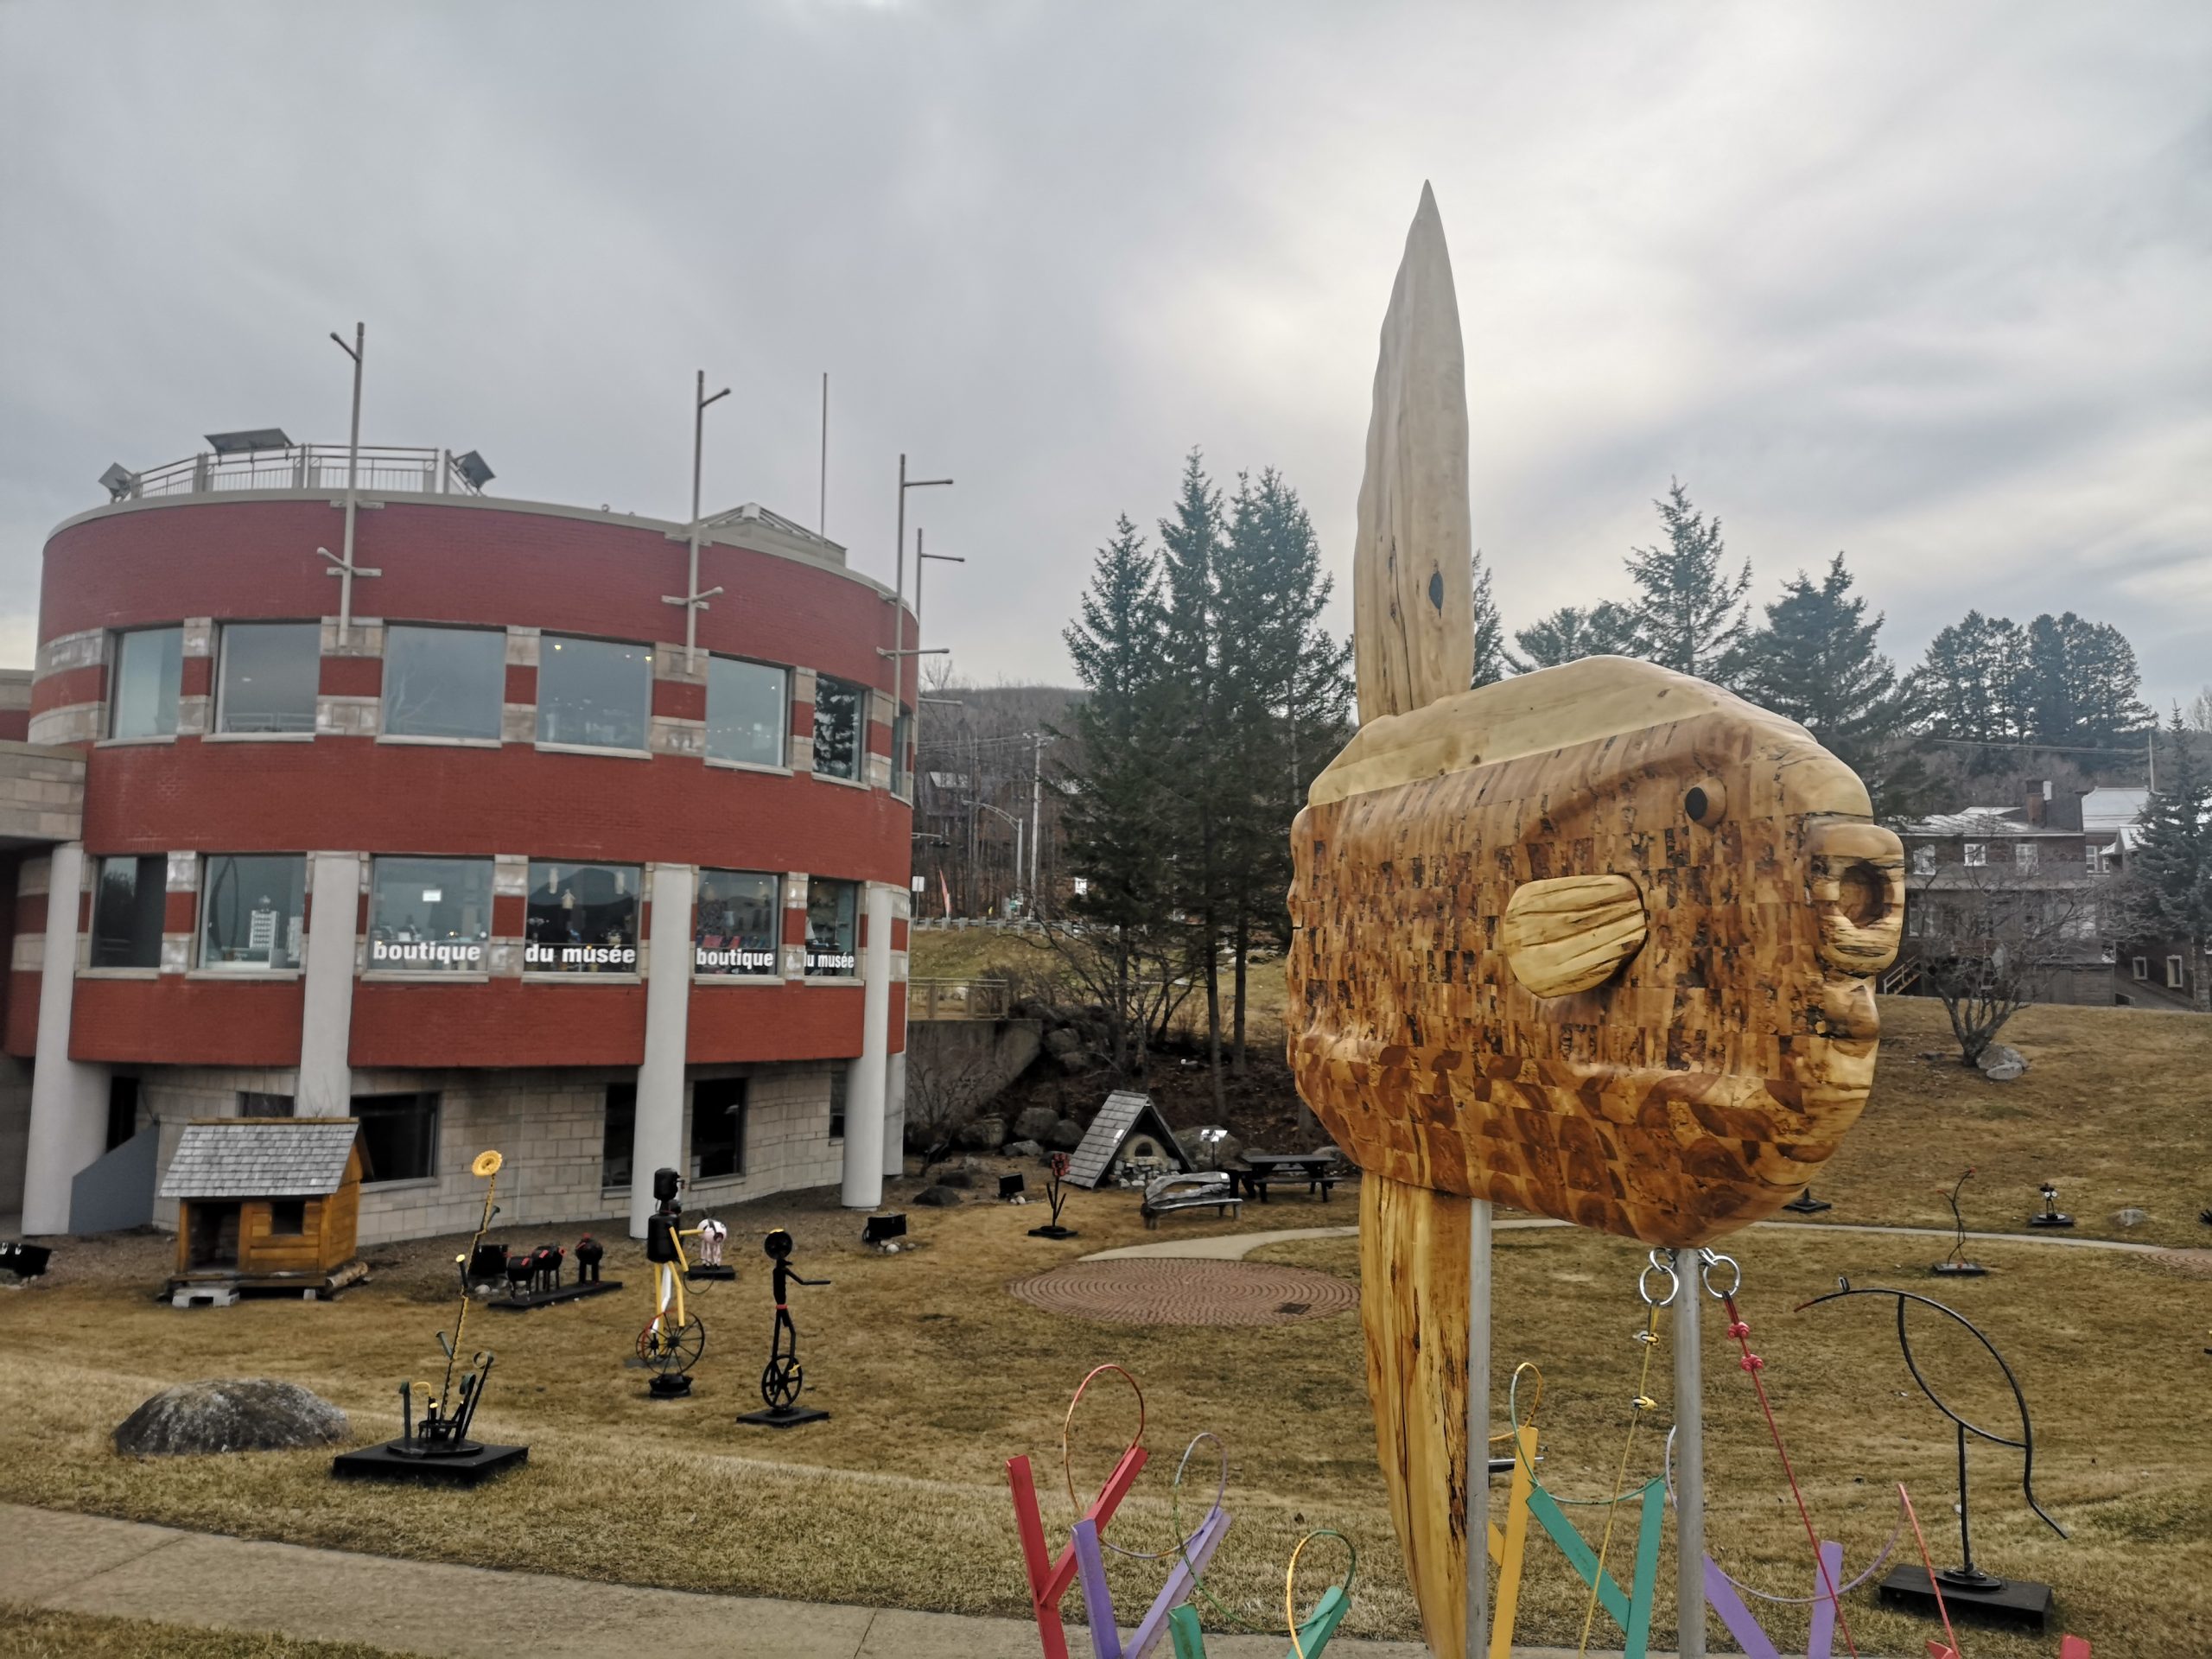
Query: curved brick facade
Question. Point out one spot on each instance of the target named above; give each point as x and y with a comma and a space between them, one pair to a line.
350, 791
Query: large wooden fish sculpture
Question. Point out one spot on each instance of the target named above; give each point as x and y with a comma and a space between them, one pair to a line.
1597, 941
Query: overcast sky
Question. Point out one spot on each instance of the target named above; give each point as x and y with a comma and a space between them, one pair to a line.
1928, 285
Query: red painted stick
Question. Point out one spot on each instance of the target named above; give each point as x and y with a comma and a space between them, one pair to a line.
1049, 1580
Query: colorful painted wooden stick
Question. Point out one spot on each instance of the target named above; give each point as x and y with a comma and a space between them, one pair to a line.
1098, 1601
1049, 1578
1312, 1635
1721, 1596
1509, 1548
1632, 1611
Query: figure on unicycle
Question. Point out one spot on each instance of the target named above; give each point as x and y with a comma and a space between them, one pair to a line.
781, 1382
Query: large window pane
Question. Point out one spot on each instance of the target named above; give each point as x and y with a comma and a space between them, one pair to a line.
740, 924
399, 1136
443, 682
837, 720
902, 770
583, 920
127, 910
270, 673
830, 907
429, 914
618, 1137
717, 1128
251, 911
593, 691
748, 711
149, 666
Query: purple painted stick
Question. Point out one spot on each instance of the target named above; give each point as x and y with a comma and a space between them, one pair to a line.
1721, 1597
1097, 1601
1177, 1590
1824, 1609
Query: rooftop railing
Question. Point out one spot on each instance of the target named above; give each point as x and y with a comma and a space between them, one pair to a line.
383, 469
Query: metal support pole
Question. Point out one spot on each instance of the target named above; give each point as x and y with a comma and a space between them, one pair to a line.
899, 600
356, 351
822, 500
1036, 809
1478, 1428
693, 599
1689, 1460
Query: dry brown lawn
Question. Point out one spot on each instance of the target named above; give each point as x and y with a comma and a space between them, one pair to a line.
935, 1376
36, 1633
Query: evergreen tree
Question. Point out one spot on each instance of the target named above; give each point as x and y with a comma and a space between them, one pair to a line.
1570, 633
1115, 806
1973, 680
1816, 662
2167, 893
2081, 682
1690, 613
1492, 661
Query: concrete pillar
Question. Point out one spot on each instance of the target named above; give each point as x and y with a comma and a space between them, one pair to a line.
68, 1127
659, 1141
864, 1102
894, 1116
326, 1082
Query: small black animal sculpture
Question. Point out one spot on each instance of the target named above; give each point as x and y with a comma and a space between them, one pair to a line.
520, 1270
545, 1268
589, 1253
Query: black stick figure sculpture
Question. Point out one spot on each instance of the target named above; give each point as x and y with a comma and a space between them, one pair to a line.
1955, 1266
1965, 1576
783, 1377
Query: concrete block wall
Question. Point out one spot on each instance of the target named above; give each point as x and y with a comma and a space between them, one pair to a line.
788, 1142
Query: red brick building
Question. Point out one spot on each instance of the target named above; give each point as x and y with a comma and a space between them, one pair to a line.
468, 844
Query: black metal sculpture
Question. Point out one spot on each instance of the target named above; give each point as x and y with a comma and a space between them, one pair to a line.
783, 1377
2051, 1217
2001, 1598
1805, 1205
1957, 1266
1056, 1195
589, 1254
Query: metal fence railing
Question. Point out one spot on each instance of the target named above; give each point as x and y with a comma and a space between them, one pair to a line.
383, 468
957, 999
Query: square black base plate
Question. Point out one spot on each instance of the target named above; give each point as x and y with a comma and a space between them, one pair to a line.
1959, 1269
669, 1388
785, 1416
1054, 1232
1805, 1205
721, 1270
2014, 1602
548, 1297
382, 1463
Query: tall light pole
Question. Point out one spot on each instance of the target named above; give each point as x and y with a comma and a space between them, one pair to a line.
693, 601
898, 653
921, 559
1016, 822
1036, 807
345, 569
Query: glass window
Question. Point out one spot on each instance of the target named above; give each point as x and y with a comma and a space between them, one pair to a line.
142, 696
583, 920
1923, 861
619, 1137
253, 1104
399, 1136
431, 915
443, 682
270, 673
594, 692
748, 711
2024, 855
717, 1128
288, 1217
251, 911
902, 768
740, 922
2173, 972
1977, 852
127, 912
837, 1080
830, 907
122, 1110
838, 717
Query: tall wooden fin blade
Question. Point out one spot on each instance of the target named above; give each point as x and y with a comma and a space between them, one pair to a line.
1412, 580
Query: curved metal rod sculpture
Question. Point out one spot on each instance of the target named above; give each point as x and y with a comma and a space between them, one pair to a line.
1967, 1572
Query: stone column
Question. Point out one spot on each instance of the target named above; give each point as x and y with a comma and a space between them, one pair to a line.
659, 1141
326, 1082
864, 1101
68, 1128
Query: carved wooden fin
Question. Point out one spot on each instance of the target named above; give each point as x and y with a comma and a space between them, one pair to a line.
1571, 932
1412, 563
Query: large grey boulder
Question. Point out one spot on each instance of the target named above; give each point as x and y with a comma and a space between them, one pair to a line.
1065, 1040
1028, 1148
984, 1135
1034, 1122
2001, 1062
1066, 1135
937, 1197
229, 1415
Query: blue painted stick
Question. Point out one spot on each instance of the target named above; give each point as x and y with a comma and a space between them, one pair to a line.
1647, 1573
1312, 1635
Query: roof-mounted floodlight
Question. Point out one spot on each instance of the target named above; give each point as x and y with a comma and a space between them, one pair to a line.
246, 443
119, 481
474, 469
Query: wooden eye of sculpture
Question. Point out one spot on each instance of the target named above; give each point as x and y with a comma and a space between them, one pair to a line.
1595, 942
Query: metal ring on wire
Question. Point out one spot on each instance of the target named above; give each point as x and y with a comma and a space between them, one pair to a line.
1182, 1550
1067, 1423
1644, 1282
1712, 1259
1290, 1581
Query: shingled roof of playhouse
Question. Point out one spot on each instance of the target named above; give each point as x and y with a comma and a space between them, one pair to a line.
261, 1158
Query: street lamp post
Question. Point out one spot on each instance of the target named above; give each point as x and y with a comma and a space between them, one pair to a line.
693, 600
898, 653
1016, 822
344, 568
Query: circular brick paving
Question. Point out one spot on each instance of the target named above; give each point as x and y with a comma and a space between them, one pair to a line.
1182, 1291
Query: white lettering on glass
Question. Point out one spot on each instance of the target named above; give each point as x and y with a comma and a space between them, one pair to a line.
445, 956
579, 955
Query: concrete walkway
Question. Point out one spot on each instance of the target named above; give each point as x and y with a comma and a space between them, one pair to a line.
1235, 1247
88, 1564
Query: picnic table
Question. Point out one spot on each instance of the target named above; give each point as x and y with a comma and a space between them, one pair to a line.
1320, 1170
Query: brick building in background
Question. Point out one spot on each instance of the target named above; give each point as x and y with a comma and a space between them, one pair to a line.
496, 862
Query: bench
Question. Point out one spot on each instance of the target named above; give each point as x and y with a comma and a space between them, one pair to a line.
1208, 1190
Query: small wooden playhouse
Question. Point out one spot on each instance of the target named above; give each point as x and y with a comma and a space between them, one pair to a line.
265, 1204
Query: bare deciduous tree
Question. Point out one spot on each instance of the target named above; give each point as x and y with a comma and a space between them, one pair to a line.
1988, 945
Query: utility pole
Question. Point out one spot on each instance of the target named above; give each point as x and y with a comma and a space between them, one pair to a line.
822, 502
920, 557
693, 600
1036, 806
346, 569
